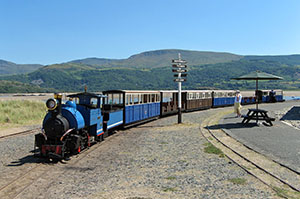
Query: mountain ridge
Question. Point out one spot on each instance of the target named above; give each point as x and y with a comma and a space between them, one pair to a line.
162, 58
152, 70
9, 68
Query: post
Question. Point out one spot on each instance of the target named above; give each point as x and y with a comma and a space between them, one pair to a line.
180, 70
179, 99
256, 91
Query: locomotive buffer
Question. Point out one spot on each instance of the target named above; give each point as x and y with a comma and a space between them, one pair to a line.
179, 68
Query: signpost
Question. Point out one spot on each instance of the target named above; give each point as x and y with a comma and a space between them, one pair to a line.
179, 67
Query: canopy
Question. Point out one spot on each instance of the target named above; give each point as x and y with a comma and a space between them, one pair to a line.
258, 75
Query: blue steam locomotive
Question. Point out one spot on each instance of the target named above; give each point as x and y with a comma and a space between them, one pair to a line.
87, 118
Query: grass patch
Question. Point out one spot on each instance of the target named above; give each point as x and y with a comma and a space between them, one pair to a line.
21, 112
239, 181
164, 143
213, 150
171, 189
171, 178
286, 194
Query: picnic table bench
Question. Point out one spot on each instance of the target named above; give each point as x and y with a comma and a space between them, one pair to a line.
257, 114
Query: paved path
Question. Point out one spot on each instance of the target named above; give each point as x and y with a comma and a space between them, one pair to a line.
281, 142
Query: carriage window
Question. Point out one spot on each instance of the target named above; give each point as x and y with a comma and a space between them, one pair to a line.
175, 97
202, 96
131, 99
109, 98
157, 97
152, 97
197, 96
93, 102
136, 98
145, 98
279, 92
116, 98
167, 97
121, 99
126, 99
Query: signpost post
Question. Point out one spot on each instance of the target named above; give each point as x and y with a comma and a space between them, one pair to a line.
179, 67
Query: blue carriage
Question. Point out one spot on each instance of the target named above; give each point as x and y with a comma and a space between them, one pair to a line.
270, 96
137, 105
223, 98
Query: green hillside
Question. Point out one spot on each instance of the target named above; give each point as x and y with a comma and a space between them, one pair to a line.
68, 77
73, 76
18, 87
161, 58
284, 59
9, 68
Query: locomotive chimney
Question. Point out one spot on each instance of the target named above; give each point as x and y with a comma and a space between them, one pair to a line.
58, 97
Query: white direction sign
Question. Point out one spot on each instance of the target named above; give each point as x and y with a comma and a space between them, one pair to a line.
179, 66
182, 75
178, 61
179, 70
179, 80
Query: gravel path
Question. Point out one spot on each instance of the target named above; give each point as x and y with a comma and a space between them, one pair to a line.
160, 159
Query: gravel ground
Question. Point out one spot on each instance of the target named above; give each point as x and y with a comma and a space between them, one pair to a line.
160, 159
16, 157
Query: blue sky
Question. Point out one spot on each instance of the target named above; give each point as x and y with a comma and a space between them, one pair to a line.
55, 31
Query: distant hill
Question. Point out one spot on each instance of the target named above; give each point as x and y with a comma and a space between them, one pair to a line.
9, 68
18, 87
73, 77
152, 70
284, 59
161, 58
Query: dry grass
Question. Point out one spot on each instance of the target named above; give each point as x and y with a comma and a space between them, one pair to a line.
15, 113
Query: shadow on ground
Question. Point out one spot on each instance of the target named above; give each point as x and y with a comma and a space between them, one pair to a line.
25, 160
292, 114
231, 126
30, 159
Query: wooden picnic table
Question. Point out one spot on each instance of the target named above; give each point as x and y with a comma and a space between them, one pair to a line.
257, 114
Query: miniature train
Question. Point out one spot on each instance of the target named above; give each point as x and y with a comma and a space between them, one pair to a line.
87, 118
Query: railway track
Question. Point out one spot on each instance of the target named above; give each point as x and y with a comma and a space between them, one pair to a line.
281, 179
20, 133
21, 185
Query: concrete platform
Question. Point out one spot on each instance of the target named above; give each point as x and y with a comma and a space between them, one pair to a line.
280, 142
